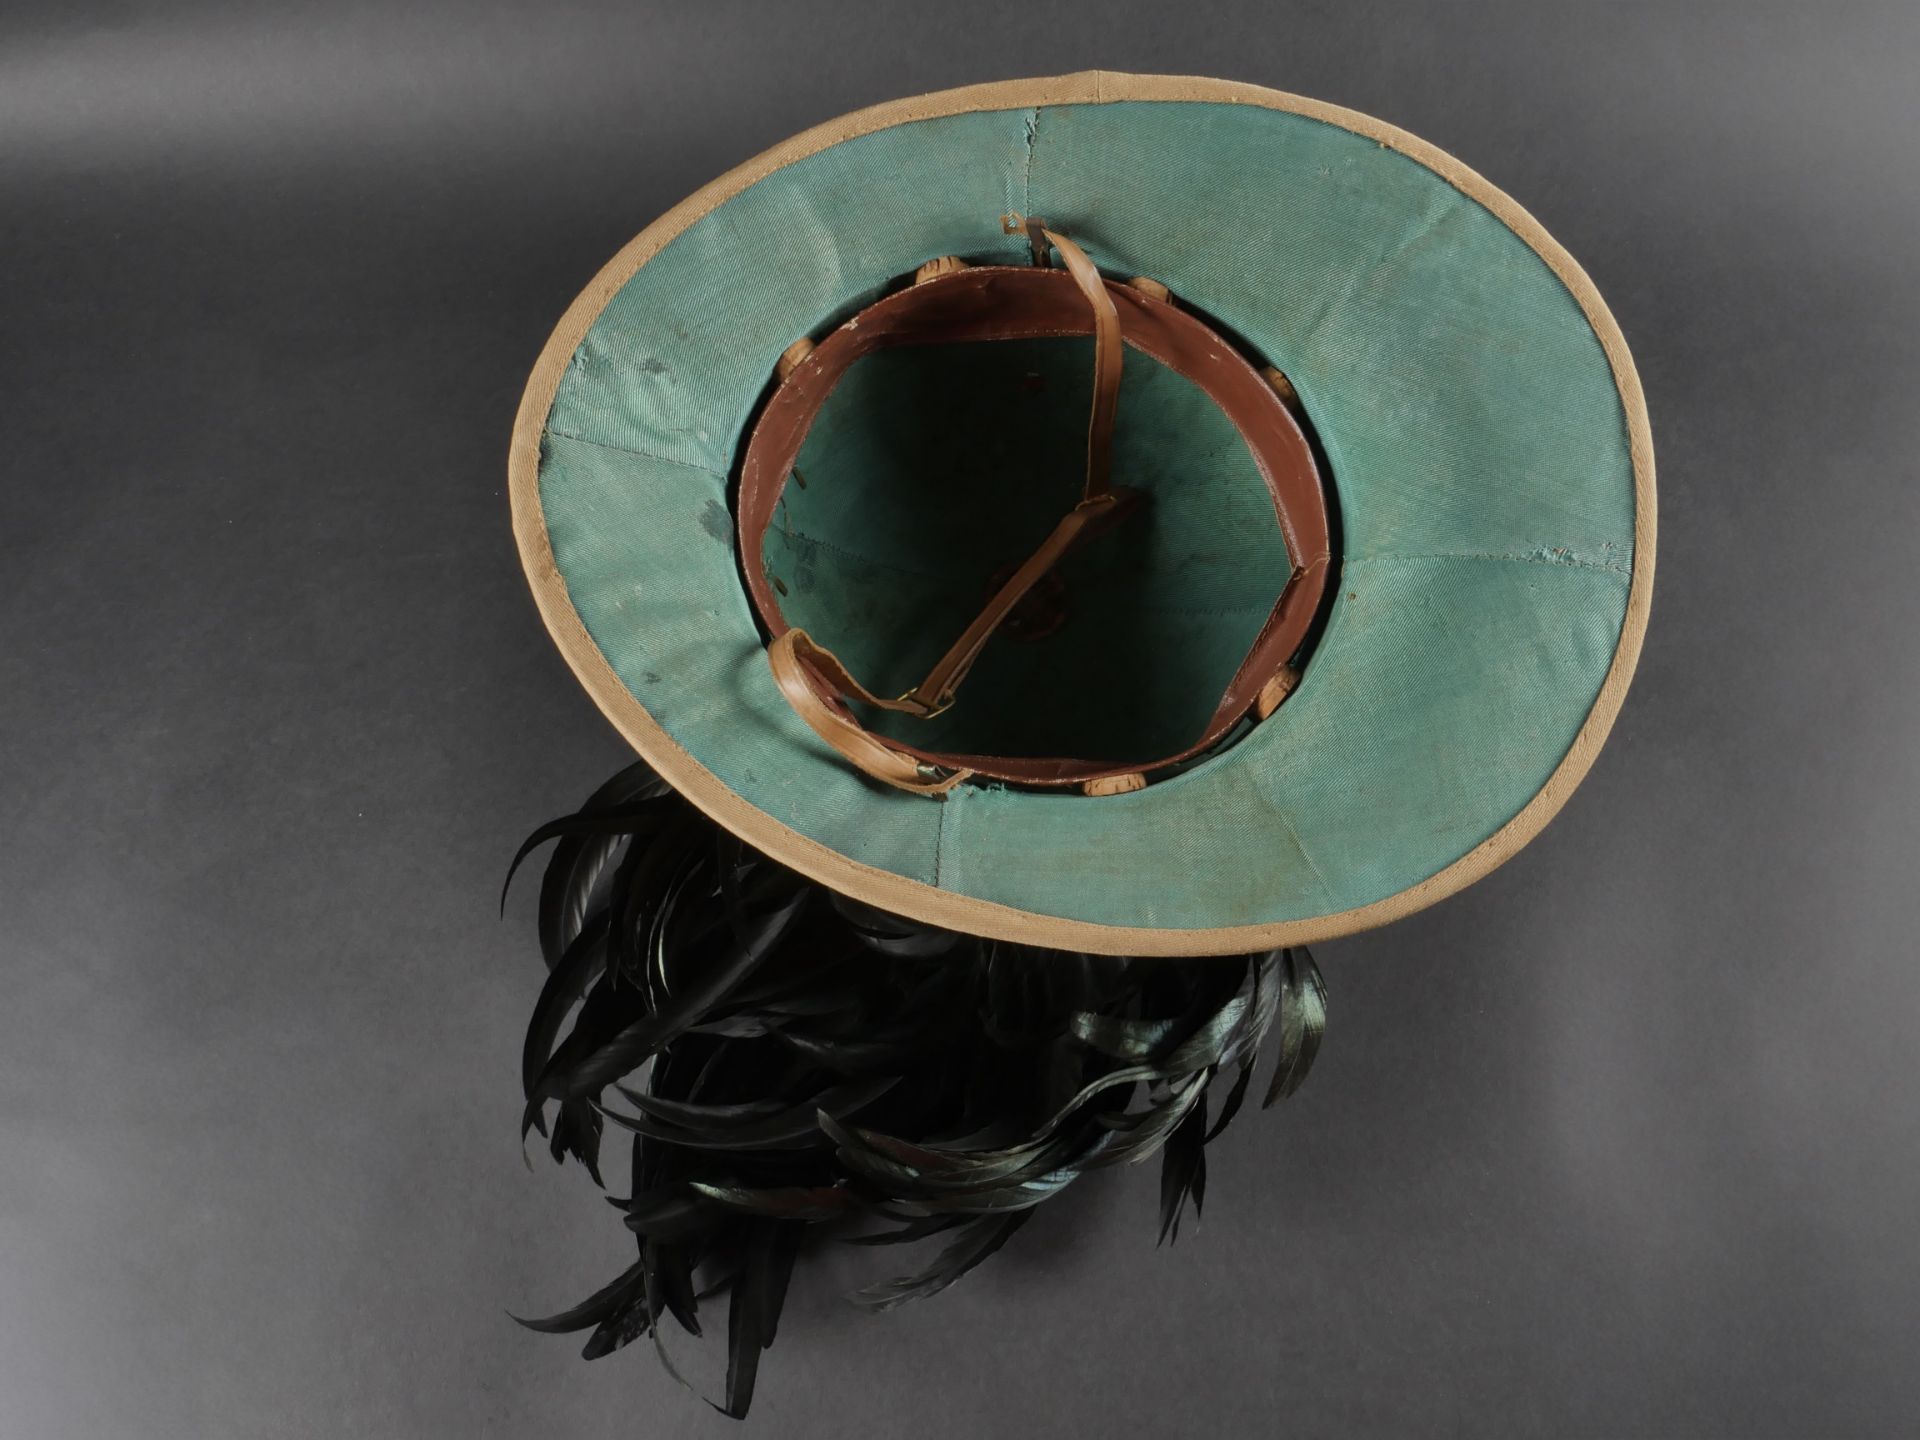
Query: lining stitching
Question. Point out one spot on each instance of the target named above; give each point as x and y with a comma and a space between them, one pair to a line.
643, 454
1544, 556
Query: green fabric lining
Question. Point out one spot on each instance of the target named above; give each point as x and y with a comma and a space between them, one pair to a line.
930, 468
1472, 422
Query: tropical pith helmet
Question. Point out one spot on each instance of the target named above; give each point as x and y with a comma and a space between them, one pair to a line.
1126, 514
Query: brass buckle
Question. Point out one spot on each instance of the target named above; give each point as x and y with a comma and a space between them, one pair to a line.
923, 711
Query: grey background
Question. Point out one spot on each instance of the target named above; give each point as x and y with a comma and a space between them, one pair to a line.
1623, 1141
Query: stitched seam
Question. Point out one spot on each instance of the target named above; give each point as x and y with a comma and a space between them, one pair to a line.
1305, 855
939, 842
643, 454
1026, 170
1571, 562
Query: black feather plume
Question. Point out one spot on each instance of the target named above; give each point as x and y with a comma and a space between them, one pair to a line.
791, 1061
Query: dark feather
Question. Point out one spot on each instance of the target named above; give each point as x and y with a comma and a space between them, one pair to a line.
627, 1050
577, 1128
618, 820
796, 1125
1303, 1021
922, 1228
567, 983
670, 1216
670, 1277
690, 1113
975, 1241
622, 1328
596, 1307
1121, 1038
786, 1202
753, 1313
792, 1058
1236, 1094
1183, 1169
579, 862
607, 1011
893, 934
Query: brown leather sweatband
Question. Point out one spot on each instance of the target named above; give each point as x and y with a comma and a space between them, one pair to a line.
997, 303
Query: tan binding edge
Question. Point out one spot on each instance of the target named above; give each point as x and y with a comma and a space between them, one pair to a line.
985, 917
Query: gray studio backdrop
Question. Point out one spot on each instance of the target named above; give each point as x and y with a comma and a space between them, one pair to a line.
1625, 1141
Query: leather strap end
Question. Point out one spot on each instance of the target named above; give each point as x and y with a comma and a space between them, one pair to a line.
865, 750
1108, 355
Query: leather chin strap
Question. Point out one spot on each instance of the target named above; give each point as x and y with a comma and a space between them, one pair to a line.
814, 681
